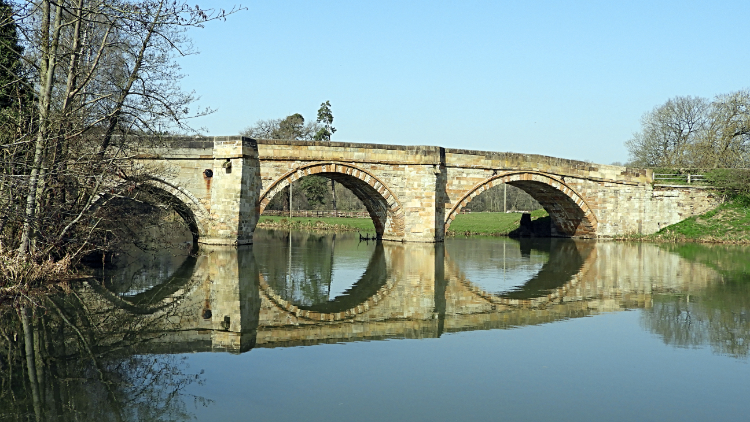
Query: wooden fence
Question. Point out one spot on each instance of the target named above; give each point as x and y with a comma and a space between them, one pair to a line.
680, 178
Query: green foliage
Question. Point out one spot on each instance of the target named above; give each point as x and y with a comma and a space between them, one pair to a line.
315, 189
734, 181
291, 127
325, 118
10, 56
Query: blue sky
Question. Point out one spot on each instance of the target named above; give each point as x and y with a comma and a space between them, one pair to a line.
567, 79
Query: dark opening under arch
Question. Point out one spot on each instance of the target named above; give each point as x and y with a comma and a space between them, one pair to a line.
569, 212
381, 203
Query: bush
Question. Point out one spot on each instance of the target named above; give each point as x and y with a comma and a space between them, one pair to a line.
20, 271
731, 181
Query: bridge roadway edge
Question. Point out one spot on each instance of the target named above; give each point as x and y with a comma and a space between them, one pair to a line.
412, 192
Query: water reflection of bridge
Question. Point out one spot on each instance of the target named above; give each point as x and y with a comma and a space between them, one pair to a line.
224, 301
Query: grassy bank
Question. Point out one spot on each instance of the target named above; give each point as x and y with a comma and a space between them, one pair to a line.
484, 223
363, 225
728, 223
489, 223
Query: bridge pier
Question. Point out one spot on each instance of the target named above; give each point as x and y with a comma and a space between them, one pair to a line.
233, 186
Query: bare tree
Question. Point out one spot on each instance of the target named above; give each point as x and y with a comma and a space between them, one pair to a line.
105, 85
726, 142
695, 132
667, 133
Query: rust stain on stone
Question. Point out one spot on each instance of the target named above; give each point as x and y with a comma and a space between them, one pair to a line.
208, 175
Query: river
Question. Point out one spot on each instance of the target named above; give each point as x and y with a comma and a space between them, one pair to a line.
322, 327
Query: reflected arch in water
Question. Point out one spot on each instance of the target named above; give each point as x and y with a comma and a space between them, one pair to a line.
212, 302
363, 295
571, 215
158, 296
382, 204
568, 261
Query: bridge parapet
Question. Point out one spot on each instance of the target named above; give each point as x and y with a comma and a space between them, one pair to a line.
461, 158
348, 152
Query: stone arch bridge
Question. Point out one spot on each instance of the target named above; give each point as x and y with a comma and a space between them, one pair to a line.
412, 193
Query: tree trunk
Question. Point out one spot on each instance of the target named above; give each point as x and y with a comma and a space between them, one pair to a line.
47, 76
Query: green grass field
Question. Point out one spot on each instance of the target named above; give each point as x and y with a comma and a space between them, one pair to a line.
489, 223
479, 223
363, 225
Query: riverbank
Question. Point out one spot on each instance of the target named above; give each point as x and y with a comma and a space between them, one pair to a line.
472, 224
728, 223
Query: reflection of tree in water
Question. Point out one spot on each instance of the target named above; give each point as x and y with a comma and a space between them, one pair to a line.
63, 361
301, 275
719, 317
304, 276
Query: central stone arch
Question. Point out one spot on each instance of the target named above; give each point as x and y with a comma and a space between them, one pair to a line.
382, 204
571, 215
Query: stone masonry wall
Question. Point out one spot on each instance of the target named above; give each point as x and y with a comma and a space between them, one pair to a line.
621, 200
412, 192
408, 173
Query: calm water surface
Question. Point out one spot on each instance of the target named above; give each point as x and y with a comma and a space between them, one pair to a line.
314, 327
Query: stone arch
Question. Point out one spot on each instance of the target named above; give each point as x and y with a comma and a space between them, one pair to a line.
571, 215
183, 202
382, 204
